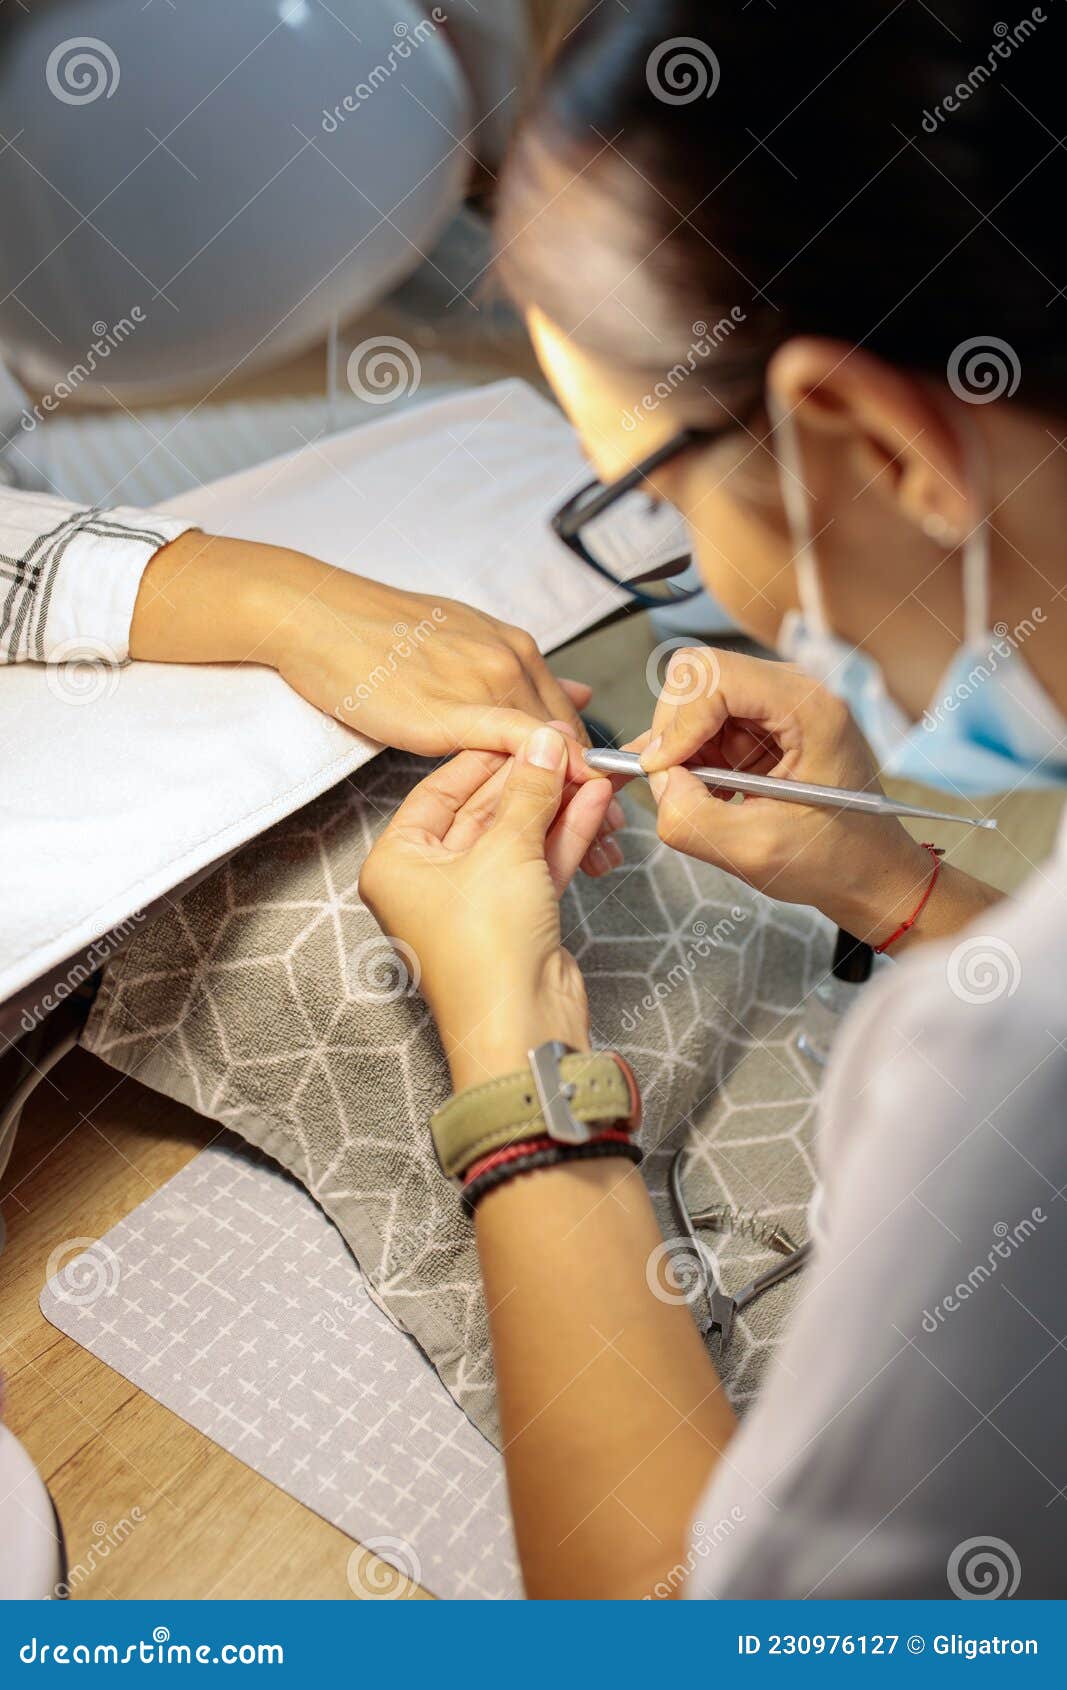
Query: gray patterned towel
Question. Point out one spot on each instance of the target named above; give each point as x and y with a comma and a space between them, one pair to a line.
268, 1000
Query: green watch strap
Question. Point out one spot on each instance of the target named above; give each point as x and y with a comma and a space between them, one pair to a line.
593, 1086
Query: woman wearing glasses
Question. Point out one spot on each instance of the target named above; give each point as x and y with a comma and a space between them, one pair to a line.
871, 208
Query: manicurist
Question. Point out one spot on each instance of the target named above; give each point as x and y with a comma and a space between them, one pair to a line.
872, 493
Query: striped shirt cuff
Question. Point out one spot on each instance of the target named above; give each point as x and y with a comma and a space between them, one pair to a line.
69, 577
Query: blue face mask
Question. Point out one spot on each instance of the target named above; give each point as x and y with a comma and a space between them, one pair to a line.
990, 726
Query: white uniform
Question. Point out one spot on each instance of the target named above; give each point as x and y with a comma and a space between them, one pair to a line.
909, 1438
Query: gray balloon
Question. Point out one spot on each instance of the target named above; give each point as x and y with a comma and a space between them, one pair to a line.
200, 190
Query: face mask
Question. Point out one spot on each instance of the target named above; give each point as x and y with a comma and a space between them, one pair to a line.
990, 725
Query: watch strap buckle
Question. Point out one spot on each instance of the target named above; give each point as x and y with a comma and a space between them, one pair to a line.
555, 1094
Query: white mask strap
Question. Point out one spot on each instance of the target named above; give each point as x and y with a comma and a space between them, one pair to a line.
976, 560
797, 505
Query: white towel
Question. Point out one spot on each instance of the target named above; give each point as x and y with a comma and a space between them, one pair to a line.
122, 784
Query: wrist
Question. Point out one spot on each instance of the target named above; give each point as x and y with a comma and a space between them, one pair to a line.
278, 602
208, 599
500, 1043
884, 890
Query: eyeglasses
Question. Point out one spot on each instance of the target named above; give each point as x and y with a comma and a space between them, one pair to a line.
639, 531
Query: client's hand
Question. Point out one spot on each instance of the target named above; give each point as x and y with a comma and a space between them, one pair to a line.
468, 876
737, 712
428, 675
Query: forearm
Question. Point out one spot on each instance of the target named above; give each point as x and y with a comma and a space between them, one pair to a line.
612, 1414
206, 599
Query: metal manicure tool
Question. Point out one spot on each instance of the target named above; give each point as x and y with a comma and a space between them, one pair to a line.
723, 1308
607, 762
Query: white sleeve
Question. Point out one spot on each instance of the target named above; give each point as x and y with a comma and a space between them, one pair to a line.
69, 576
908, 1440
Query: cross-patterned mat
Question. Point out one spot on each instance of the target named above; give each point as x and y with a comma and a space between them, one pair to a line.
232, 1300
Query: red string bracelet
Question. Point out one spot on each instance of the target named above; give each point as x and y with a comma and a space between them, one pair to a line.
906, 926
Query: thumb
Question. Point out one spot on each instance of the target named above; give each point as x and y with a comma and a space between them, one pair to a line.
531, 797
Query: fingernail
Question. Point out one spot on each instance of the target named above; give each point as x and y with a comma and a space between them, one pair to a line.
616, 816
613, 853
658, 784
651, 748
597, 859
545, 749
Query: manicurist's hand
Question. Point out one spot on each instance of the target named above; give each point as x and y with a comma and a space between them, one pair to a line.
426, 675
732, 711
468, 877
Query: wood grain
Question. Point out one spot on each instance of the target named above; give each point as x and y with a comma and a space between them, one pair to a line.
150, 1506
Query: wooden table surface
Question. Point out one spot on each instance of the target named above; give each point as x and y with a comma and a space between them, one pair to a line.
179, 1516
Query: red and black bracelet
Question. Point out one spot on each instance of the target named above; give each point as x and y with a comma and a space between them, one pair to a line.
533, 1154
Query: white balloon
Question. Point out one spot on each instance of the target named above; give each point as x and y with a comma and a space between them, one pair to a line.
200, 191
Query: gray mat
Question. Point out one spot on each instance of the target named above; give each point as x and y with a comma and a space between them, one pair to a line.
231, 1299
268, 1000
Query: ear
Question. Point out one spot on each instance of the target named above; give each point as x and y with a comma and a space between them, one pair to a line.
899, 440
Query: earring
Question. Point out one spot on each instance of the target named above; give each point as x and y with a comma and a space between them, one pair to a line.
939, 528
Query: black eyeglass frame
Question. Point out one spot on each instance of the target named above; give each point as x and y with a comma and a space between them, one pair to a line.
574, 514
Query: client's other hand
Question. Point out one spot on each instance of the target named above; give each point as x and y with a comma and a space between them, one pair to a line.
468, 876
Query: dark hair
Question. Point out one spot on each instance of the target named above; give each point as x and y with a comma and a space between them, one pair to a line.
887, 175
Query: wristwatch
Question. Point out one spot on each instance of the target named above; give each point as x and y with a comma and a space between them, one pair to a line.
564, 1095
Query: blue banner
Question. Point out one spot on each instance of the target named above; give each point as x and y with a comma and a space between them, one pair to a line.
448, 1644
